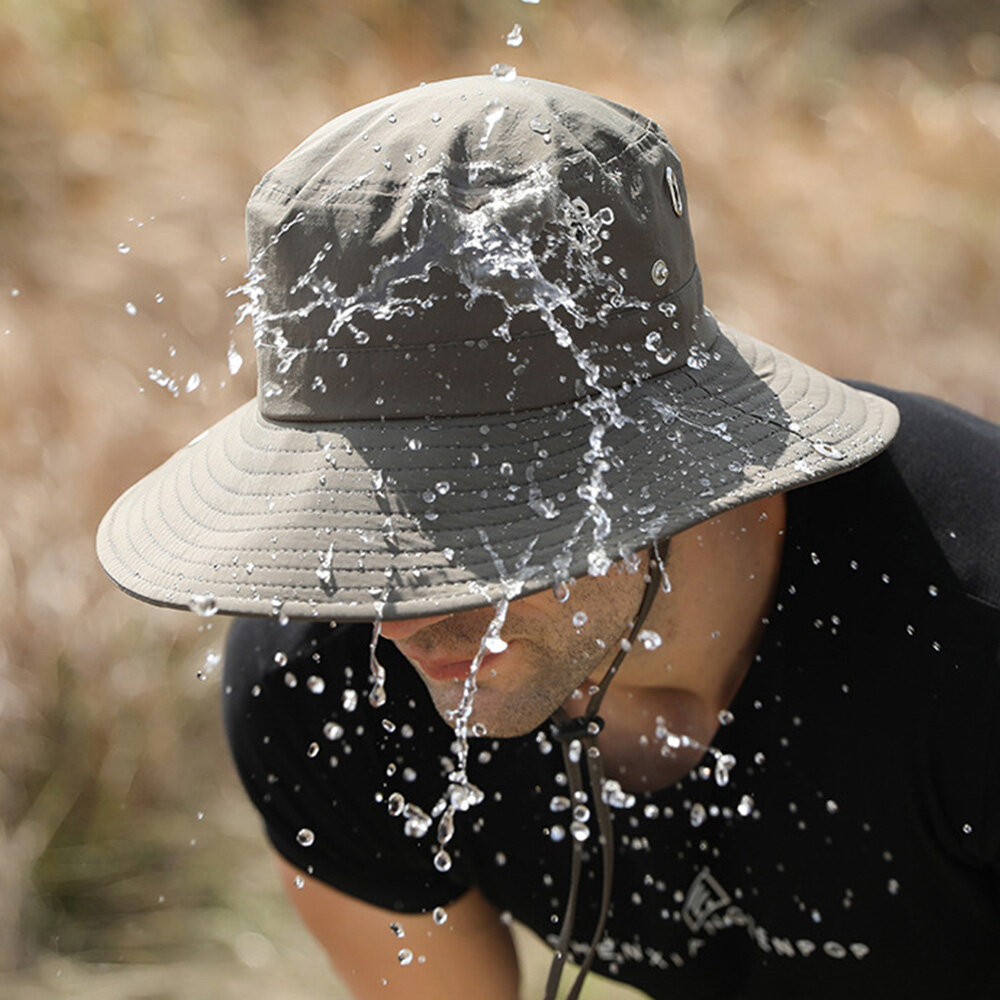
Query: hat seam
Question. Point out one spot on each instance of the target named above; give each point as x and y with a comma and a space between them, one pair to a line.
386, 469
500, 418
734, 406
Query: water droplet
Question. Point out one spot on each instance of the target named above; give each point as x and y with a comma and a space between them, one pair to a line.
724, 764
650, 639
306, 837
290, 679
932, 590
746, 805
349, 699
124, 248
557, 833
580, 619
698, 357
316, 684
698, 814
130, 308
580, 831
966, 828
446, 828
442, 861
193, 382
203, 605
333, 731
414, 444
828, 450
725, 717
514, 37
544, 129
501, 71
405, 956
615, 796
436, 118
494, 644
560, 591
234, 359
281, 658
417, 821
440, 915
660, 272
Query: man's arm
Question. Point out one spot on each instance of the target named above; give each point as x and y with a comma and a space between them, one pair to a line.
470, 955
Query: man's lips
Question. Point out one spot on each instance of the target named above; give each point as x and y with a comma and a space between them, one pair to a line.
445, 670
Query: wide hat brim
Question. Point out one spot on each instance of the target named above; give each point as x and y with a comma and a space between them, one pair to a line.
405, 518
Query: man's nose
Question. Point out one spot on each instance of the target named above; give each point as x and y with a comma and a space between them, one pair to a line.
402, 628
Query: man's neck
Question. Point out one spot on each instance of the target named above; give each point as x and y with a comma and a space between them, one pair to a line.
662, 710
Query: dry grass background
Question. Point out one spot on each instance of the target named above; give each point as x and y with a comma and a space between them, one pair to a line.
844, 165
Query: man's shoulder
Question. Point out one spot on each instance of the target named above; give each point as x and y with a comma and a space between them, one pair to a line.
942, 470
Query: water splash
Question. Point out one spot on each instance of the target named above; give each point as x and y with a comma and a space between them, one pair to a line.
376, 672
492, 115
203, 605
502, 71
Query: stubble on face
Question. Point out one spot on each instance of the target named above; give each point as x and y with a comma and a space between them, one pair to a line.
548, 656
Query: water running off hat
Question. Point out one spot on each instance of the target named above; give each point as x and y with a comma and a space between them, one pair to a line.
484, 365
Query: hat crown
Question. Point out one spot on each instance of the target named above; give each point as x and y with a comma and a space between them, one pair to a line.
470, 246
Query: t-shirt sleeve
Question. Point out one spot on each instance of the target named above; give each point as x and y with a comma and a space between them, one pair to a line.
344, 794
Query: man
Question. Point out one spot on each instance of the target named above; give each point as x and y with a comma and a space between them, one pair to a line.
671, 661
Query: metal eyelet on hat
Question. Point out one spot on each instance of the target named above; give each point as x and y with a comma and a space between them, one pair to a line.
674, 187
660, 272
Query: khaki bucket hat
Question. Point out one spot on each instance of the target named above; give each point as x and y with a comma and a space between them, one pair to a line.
484, 367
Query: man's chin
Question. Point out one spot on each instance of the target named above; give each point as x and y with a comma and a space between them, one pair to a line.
499, 714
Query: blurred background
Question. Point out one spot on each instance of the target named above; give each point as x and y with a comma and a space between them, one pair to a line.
843, 159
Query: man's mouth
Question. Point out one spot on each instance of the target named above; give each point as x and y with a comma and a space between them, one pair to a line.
442, 669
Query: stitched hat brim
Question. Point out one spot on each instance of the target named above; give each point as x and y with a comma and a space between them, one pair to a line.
404, 518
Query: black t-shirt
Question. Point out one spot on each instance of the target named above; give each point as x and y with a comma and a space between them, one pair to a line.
853, 852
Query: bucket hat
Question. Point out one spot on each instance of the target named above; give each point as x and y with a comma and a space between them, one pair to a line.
484, 367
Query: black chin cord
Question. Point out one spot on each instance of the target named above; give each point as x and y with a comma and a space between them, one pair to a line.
578, 739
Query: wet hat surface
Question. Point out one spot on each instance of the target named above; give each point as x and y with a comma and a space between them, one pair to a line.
484, 365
